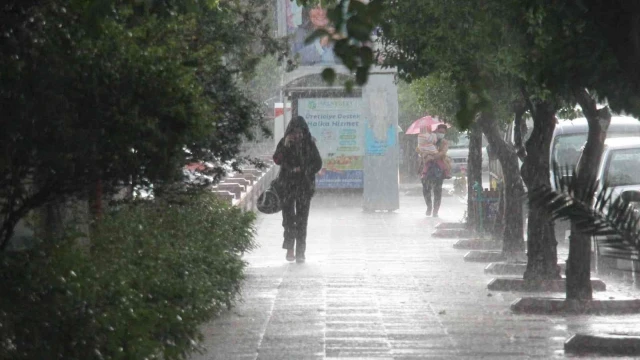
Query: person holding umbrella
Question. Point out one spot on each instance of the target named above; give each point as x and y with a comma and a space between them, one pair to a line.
435, 166
434, 171
428, 150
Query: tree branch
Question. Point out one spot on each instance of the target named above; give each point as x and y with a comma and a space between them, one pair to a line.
527, 100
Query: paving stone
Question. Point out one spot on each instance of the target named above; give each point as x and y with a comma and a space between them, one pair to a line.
379, 286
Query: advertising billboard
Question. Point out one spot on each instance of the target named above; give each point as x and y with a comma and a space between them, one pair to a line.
300, 22
339, 129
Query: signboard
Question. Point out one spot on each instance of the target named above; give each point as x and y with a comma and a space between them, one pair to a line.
301, 21
339, 130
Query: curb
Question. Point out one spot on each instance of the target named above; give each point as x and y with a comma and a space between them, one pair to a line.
477, 244
603, 344
451, 225
559, 306
484, 256
521, 285
451, 233
504, 268
517, 268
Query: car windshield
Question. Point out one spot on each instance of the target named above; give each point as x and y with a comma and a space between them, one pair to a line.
463, 142
566, 149
623, 168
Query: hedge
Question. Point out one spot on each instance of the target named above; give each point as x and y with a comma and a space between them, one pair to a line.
154, 272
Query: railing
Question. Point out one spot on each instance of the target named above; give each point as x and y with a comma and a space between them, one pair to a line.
243, 188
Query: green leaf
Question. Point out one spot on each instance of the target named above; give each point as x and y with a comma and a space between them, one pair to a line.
366, 56
359, 30
362, 74
348, 86
328, 75
357, 7
335, 16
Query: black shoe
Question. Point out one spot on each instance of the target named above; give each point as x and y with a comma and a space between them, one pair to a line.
428, 213
300, 259
435, 215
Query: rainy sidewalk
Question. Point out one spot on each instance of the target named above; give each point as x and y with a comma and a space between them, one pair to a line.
378, 286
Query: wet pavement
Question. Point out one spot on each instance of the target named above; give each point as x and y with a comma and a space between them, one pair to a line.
378, 286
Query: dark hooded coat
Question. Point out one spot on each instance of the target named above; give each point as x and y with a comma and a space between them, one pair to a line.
303, 154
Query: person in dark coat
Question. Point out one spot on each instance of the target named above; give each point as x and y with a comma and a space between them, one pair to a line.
299, 162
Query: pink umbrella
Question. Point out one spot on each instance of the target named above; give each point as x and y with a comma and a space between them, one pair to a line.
422, 122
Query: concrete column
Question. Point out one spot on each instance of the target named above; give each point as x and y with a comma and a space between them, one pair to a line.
381, 173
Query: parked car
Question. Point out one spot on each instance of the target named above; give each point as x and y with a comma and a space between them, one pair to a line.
619, 170
570, 136
567, 142
619, 167
459, 154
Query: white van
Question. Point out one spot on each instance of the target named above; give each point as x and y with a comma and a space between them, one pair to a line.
567, 142
619, 170
570, 136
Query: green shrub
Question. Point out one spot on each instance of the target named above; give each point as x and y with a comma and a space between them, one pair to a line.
155, 271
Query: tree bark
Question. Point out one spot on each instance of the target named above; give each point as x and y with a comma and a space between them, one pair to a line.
579, 262
513, 240
474, 171
542, 252
499, 225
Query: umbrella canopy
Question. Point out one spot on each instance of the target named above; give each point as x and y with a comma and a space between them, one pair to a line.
429, 121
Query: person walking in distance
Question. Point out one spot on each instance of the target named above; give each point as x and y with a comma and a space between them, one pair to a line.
434, 170
299, 160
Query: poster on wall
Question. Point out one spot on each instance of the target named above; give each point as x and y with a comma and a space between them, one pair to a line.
302, 21
339, 130
380, 135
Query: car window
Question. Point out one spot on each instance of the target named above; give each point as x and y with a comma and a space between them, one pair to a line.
623, 168
463, 142
566, 149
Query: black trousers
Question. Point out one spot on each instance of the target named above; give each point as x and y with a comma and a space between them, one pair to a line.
432, 185
295, 215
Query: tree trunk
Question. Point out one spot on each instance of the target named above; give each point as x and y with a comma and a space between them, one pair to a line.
474, 171
53, 220
579, 262
513, 240
542, 252
499, 225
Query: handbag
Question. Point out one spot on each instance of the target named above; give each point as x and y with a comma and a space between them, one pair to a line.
435, 172
269, 201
